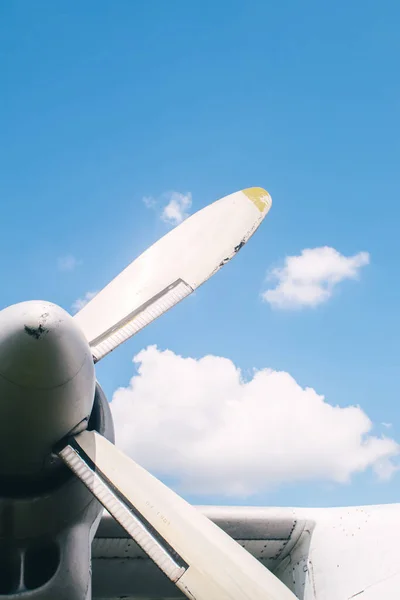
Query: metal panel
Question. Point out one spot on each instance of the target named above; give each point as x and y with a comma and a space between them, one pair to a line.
122, 570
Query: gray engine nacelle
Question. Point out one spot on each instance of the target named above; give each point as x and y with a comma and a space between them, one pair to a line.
47, 526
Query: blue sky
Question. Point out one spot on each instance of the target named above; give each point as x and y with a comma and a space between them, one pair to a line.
103, 104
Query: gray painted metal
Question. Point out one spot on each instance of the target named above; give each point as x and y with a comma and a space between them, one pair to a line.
47, 386
46, 533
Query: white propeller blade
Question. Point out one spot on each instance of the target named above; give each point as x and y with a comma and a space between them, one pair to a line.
171, 269
201, 559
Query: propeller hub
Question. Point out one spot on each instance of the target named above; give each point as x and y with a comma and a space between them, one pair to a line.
47, 383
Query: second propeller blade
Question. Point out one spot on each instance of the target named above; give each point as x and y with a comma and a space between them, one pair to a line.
171, 269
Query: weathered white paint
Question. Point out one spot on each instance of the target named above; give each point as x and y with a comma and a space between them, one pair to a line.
217, 567
323, 554
171, 269
47, 384
346, 553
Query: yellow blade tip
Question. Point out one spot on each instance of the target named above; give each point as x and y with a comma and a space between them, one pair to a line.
259, 197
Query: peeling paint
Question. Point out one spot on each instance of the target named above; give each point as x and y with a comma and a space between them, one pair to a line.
36, 332
239, 246
235, 251
41, 330
223, 262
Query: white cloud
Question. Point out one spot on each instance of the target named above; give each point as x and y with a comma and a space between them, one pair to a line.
309, 279
81, 302
149, 201
68, 263
173, 207
213, 432
177, 208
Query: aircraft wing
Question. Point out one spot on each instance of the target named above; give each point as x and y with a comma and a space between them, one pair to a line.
319, 553
122, 570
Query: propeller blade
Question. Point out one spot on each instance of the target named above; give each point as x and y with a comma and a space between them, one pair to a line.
201, 559
171, 269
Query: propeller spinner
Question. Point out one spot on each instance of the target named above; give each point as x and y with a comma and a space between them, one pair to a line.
47, 383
